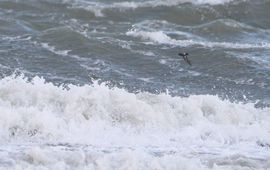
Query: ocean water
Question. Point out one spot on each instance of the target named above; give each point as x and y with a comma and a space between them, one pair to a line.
87, 84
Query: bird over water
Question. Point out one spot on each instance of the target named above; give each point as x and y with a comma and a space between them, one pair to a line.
184, 55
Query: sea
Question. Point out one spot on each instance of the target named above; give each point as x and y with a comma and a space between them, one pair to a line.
88, 84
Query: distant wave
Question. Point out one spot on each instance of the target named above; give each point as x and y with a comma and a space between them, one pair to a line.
225, 25
155, 3
162, 38
97, 7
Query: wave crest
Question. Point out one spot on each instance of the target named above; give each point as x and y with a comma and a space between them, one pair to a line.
162, 38
97, 8
50, 110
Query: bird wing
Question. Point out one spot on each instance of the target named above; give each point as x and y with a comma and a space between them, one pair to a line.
180, 54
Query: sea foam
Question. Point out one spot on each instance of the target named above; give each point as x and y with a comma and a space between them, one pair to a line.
105, 124
54, 110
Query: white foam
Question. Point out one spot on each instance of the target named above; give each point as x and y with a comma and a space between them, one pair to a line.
115, 128
53, 49
98, 102
161, 37
156, 3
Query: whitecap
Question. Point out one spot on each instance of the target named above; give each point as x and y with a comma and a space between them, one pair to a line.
97, 126
161, 37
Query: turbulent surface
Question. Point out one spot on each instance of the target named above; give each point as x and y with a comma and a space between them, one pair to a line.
98, 84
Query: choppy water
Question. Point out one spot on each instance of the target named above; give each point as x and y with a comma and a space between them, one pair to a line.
99, 85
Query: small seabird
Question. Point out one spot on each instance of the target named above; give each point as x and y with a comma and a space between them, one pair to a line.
184, 55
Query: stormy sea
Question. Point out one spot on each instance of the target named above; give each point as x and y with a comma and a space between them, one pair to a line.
88, 84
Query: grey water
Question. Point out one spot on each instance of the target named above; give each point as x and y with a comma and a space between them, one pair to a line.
75, 41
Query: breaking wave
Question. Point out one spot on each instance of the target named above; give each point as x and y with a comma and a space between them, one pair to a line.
161, 37
107, 120
55, 110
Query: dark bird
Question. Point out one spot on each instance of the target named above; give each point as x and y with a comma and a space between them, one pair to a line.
184, 55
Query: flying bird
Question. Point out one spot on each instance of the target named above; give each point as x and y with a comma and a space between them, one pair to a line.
184, 55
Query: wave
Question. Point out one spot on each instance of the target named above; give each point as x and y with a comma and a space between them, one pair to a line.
161, 37
51, 110
94, 125
97, 7
156, 3
219, 26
